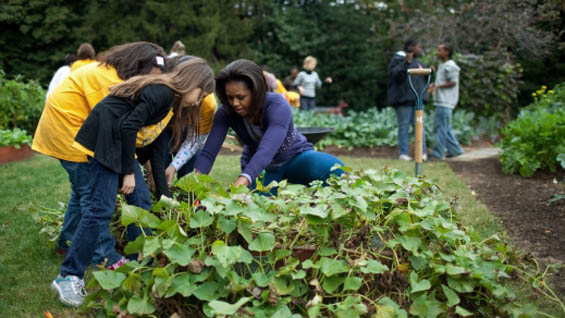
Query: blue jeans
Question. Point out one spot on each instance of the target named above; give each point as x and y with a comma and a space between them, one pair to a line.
445, 139
405, 118
78, 202
307, 103
304, 168
104, 185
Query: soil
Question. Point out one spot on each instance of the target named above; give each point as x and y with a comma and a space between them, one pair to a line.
521, 204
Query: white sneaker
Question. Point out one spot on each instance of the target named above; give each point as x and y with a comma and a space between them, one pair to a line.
70, 290
404, 157
425, 157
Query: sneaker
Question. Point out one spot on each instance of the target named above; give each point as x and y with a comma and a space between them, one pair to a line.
424, 157
434, 157
70, 290
455, 155
117, 264
404, 157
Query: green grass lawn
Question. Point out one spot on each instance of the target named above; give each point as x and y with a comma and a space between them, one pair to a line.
29, 263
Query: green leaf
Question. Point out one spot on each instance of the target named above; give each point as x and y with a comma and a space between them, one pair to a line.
109, 279
326, 251
427, 307
201, 219
331, 267
454, 270
140, 306
182, 284
131, 214
452, 298
330, 284
228, 255
226, 225
374, 267
300, 274
265, 241
207, 291
152, 244
384, 312
179, 254
223, 308
262, 280
418, 285
462, 312
282, 285
320, 211
352, 283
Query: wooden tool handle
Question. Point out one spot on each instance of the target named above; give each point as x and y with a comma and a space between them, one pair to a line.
419, 147
419, 71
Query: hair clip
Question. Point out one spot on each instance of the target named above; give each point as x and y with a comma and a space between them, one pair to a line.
160, 60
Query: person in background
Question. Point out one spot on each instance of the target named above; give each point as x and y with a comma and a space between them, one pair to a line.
401, 97
306, 82
177, 49
86, 55
108, 138
445, 91
263, 122
61, 73
288, 81
66, 109
270, 78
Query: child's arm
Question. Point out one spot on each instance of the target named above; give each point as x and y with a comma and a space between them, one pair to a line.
214, 142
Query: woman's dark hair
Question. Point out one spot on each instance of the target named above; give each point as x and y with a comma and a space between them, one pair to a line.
70, 58
251, 75
410, 44
86, 52
136, 58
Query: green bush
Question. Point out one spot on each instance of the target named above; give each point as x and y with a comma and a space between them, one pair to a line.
535, 139
21, 103
371, 244
14, 137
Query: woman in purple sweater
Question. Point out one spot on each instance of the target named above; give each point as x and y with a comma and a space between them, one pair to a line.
263, 122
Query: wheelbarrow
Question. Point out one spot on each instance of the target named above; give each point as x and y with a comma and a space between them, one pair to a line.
419, 114
315, 134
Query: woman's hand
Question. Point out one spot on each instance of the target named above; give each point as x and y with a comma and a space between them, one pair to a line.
170, 174
241, 180
128, 184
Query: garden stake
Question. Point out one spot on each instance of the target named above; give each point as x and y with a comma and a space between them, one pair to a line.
419, 115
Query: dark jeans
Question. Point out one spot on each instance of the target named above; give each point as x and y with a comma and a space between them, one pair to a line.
445, 139
405, 117
303, 168
307, 103
104, 184
78, 202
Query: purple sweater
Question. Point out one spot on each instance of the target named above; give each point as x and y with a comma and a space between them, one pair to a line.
280, 141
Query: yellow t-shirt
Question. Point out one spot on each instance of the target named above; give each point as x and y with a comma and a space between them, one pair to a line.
79, 63
68, 106
207, 112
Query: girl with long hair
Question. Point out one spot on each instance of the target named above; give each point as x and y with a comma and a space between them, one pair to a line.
66, 109
263, 122
108, 138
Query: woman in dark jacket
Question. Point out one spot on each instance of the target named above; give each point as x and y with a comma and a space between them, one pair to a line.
108, 137
263, 122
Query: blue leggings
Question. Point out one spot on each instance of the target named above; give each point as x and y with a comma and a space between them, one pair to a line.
304, 168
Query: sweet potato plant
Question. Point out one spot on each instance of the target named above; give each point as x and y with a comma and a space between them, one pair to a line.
371, 244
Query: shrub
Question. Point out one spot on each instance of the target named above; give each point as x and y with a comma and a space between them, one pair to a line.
15, 137
371, 244
535, 139
21, 103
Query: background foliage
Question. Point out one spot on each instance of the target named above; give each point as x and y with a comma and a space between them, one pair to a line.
352, 39
21, 103
535, 139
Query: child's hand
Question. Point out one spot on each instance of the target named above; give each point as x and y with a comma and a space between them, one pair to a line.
328, 80
128, 184
170, 173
